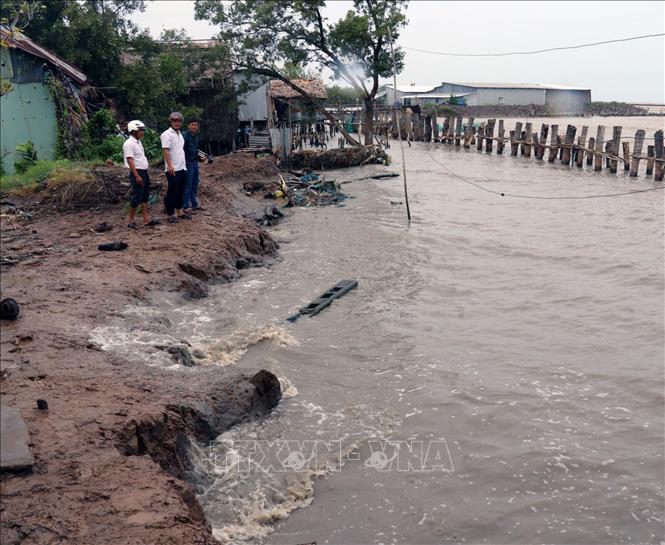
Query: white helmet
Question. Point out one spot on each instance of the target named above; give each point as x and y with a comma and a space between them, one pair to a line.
135, 125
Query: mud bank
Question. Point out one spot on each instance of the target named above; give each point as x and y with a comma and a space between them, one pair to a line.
111, 450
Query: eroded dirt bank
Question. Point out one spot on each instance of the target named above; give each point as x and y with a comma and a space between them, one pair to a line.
111, 449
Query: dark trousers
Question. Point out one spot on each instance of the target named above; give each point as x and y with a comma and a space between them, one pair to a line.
175, 191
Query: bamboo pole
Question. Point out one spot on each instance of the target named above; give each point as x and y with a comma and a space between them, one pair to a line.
658, 152
598, 159
650, 160
553, 141
637, 151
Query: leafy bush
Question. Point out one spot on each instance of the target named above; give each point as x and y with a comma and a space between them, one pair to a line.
36, 174
27, 156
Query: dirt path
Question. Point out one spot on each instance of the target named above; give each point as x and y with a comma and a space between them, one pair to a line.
111, 449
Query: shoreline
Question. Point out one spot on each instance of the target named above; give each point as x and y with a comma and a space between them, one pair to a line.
110, 451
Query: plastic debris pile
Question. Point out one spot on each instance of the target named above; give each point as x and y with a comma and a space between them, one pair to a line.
304, 188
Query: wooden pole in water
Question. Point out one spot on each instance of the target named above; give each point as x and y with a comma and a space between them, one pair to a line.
568, 144
598, 159
528, 130
514, 137
553, 142
650, 161
637, 151
480, 137
468, 132
544, 129
435, 125
428, 128
589, 154
489, 131
616, 143
458, 130
536, 144
608, 151
501, 134
581, 143
658, 152
451, 130
626, 155
444, 130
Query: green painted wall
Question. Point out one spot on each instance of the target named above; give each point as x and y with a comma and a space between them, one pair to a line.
28, 113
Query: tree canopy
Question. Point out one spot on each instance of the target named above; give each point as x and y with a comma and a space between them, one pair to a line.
267, 36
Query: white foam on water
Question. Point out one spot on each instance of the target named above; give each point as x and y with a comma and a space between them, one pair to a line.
231, 349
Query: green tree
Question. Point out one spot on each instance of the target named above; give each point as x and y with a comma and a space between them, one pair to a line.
265, 36
343, 95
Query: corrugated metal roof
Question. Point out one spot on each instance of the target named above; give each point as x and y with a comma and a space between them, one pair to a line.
515, 86
412, 88
16, 39
315, 87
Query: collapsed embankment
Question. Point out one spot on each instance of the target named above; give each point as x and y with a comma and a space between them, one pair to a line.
111, 450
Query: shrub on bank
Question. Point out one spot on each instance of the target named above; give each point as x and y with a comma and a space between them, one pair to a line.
42, 173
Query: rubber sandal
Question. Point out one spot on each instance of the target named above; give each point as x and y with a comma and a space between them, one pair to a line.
152, 223
173, 220
132, 225
185, 217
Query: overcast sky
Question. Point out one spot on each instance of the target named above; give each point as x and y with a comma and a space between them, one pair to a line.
629, 71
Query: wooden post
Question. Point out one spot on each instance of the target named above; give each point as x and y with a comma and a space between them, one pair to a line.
581, 143
616, 142
637, 151
553, 141
650, 161
459, 121
394, 129
451, 130
522, 142
527, 139
444, 130
658, 152
468, 132
435, 125
536, 144
473, 136
544, 129
559, 143
589, 154
500, 143
480, 137
514, 137
598, 159
626, 155
428, 128
568, 144
489, 132
608, 151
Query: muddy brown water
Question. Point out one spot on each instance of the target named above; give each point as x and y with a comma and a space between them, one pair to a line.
525, 336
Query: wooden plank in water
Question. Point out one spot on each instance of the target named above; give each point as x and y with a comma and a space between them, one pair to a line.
568, 144
489, 133
515, 136
658, 152
589, 154
637, 151
616, 143
544, 129
581, 143
598, 158
553, 142
650, 161
500, 135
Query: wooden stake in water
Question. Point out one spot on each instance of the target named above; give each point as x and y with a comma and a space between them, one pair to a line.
658, 152
501, 134
480, 137
568, 144
637, 152
544, 129
435, 125
650, 161
528, 131
616, 143
514, 144
589, 155
553, 144
489, 131
626, 155
468, 132
459, 121
581, 143
598, 159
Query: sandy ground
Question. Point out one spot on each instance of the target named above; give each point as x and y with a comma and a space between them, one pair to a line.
110, 450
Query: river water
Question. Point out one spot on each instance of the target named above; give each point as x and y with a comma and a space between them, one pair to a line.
496, 377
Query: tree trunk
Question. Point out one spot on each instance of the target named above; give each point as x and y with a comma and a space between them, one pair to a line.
368, 122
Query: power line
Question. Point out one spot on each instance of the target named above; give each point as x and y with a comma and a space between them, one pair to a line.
535, 51
547, 198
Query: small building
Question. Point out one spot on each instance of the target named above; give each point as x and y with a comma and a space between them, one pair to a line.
28, 109
558, 99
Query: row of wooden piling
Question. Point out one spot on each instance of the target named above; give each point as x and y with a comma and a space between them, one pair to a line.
523, 140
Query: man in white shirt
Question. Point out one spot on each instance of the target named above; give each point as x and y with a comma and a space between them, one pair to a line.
173, 148
137, 163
